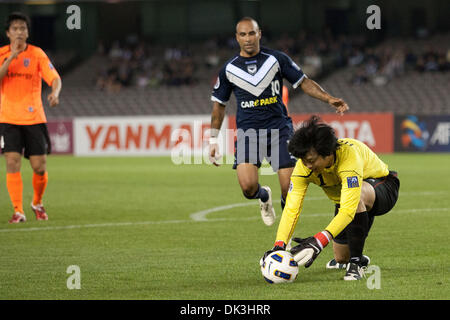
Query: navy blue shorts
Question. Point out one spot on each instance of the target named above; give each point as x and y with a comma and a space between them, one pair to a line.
252, 146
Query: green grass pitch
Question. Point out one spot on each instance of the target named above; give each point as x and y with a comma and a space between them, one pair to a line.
126, 223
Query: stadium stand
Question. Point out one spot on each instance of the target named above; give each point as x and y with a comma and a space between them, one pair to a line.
398, 75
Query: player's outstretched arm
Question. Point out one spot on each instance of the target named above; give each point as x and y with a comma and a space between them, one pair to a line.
217, 116
311, 88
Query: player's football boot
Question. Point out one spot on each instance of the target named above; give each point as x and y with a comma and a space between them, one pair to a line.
267, 210
39, 211
333, 264
354, 272
365, 261
18, 217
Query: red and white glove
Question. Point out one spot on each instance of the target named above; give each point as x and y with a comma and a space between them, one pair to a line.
308, 249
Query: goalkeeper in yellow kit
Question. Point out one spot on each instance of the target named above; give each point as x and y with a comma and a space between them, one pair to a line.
354, 178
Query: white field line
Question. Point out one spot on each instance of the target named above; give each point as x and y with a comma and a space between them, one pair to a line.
201, 216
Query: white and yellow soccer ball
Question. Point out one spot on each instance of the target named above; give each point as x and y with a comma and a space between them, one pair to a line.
279, 267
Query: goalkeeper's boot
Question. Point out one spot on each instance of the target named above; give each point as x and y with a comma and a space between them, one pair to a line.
267, 210
365, 261
39, 211
354, 272
333, 264
18, 217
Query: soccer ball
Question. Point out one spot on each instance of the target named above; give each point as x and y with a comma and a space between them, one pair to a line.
279, 267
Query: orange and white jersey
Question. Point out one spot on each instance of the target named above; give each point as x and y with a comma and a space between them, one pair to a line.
21, 87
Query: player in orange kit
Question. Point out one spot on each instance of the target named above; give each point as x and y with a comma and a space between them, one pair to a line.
23, 125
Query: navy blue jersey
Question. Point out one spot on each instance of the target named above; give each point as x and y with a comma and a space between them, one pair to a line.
257, 83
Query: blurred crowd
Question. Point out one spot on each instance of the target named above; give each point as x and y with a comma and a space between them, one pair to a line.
388, 61
135, 62
376, 64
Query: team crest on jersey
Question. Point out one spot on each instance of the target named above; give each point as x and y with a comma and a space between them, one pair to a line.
26, 62
352, 182
252, 69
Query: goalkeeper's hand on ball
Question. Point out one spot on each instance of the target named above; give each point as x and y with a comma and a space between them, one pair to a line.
309, 249
279, 245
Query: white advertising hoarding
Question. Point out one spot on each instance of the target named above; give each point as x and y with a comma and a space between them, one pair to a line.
141, 135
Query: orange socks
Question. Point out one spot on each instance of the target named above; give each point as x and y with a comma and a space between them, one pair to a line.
39, 185
15, 190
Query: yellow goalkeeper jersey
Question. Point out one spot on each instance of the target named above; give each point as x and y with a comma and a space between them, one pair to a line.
354, 162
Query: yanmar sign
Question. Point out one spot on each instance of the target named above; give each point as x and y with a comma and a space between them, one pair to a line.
185, 136
156, 135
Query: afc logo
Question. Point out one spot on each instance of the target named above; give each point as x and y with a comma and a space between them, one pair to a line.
352, 182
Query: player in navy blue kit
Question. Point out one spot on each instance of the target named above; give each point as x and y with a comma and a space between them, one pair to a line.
255, 75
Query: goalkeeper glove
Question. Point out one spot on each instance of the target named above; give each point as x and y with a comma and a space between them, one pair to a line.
309, 249
279, 245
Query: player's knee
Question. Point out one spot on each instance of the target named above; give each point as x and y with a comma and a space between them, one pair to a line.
38, 164
39, 168
367, 197
39, 172
13, 164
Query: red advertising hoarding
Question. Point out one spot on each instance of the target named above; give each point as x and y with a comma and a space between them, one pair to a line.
374, 129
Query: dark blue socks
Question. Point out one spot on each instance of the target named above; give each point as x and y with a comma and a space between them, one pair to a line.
260, 194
